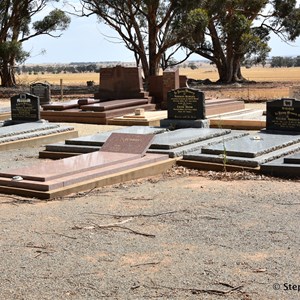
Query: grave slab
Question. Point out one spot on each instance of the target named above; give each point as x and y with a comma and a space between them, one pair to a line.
252, 162
181, 137
288, 167
180, 151
292, 159
113, 104
50, 170
61, 105
13, 130
83, 180
253, 145
100, 139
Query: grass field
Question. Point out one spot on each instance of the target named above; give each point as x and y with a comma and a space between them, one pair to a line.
258, 74
272, 83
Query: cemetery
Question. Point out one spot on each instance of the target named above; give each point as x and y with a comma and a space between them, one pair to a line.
182, 135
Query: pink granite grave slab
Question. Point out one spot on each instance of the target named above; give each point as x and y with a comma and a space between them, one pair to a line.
86, 101
128, 143
83, 176
56, 169
113, 104
60, 105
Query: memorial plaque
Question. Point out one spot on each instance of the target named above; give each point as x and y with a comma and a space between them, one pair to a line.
186, 104
283, 115
25, 108
128, 143
42, 90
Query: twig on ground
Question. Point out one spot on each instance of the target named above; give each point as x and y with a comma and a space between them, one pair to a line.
146, 264
115, 225
198, 291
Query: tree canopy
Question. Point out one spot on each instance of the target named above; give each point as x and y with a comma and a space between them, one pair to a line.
228, 33
15, 20
148, 28
239, 30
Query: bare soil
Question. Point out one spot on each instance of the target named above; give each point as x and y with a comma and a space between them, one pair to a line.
183, 235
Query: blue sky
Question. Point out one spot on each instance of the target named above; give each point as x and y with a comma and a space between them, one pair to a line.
87, 40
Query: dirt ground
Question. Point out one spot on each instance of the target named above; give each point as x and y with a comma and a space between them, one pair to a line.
183, 235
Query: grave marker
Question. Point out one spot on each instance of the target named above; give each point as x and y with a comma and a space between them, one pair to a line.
283, 115
186, 104
128, 143
42, 90
25, 108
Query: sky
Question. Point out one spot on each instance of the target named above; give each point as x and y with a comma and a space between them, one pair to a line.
88, 40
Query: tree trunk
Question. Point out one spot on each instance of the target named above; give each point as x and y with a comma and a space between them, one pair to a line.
7, 76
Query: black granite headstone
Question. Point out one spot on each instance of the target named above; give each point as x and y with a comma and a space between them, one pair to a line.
42, 90
25, 108
283, 115
186, 104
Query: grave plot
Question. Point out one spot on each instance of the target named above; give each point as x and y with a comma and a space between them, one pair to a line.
288, 166
26, 128
122, 158
120, 92
248, 151
173, 143
90, 143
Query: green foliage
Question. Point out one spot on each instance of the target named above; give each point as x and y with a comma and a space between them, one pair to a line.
15, 28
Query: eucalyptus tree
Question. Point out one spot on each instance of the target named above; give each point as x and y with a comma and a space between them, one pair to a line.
237, 30
149, 28
16, 26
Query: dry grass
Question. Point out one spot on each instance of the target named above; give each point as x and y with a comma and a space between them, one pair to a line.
271, 83
258, 74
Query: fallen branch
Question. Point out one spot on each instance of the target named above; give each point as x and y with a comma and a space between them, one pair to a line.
197, 291
145, 264
136, 215
115, 225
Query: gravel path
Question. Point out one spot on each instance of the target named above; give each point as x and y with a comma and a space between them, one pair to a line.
183, 235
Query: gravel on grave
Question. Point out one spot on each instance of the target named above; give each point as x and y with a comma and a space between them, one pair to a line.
183, 235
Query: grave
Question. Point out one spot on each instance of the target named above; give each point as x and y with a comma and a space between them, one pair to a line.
25, 128
172, 143
42, 90
121, 83
283, 115
248, 151
120, 92
91, 143
288, 166
186, 108
118, 161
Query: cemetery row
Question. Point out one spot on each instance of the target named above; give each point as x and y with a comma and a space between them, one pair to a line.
183, 137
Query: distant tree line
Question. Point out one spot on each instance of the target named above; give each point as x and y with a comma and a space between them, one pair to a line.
283, 61
57, 69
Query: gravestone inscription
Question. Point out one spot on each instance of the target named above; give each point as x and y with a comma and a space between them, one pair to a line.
283, 115
186, 104
128, 143
42, 90
25, 108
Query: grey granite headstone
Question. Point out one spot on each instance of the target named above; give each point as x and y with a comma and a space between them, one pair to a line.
42, 90
25, 108
186, 109
186, 104
283, 115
